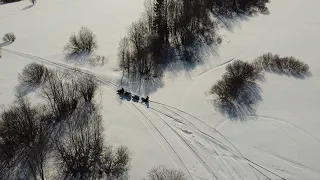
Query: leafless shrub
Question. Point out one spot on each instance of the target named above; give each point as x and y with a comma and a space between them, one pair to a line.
24, 142
115, 161
82, 155
282, 65
62, 95
79, 151
87, 87
33, 74
9, 37
163, 173
239, 74
84, 42
237, 94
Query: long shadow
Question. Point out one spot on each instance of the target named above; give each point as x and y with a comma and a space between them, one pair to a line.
5, 44
243, 106
142, 85
4, 3
27, 7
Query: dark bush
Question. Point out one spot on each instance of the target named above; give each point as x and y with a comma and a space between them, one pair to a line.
9, 1
24, 142
282, 65
239, 75
87, 87
115, 161
62, 95
33, 74
237, 94
83, 42
163, 173
82, 155
9, 37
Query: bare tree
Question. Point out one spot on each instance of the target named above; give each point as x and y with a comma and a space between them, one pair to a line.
9, 37
33, 74
24, 142
87, 87
83, 42
82, 155
163, 173
62, 95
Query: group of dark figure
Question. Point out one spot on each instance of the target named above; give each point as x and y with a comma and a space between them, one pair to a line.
135, 98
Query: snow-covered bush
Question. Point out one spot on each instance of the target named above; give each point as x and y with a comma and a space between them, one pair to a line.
163, 173
9, 37
33, 74
83, 42
283, 65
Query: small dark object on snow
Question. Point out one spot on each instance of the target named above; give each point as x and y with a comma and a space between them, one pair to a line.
120, 91
128, 94
145, 100
136, 98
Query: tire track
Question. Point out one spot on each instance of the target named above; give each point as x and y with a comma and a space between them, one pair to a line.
174, 152
59, 65
238, 153
202, 162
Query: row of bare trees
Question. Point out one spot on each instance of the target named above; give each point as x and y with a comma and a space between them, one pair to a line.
172, 30
62, 138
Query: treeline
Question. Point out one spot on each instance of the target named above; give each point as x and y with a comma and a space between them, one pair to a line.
172, 30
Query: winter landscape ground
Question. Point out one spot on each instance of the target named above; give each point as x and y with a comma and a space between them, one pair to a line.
180, 128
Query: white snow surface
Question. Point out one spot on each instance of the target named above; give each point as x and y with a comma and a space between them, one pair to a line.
181, 129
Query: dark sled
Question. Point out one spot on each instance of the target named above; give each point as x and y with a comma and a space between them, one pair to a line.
135, 98
145, 100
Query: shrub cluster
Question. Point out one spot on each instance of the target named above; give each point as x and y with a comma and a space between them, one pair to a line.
282, 65
163, 173
33, 74
9, 37
239, 77
66, 130
83, 42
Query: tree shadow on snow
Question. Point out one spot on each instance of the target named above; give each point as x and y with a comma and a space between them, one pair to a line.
24, 89
5, 44
85, 58
243, 105
27, 7
142, 85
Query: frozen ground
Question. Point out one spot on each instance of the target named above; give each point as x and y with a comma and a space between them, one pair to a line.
185, 132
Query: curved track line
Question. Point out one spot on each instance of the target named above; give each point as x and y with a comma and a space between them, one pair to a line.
203, 163
208, 139
185, 167
289, 124
293, 163
241, 155
56, 64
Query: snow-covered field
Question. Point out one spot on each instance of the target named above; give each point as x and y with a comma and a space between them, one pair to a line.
181, 128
